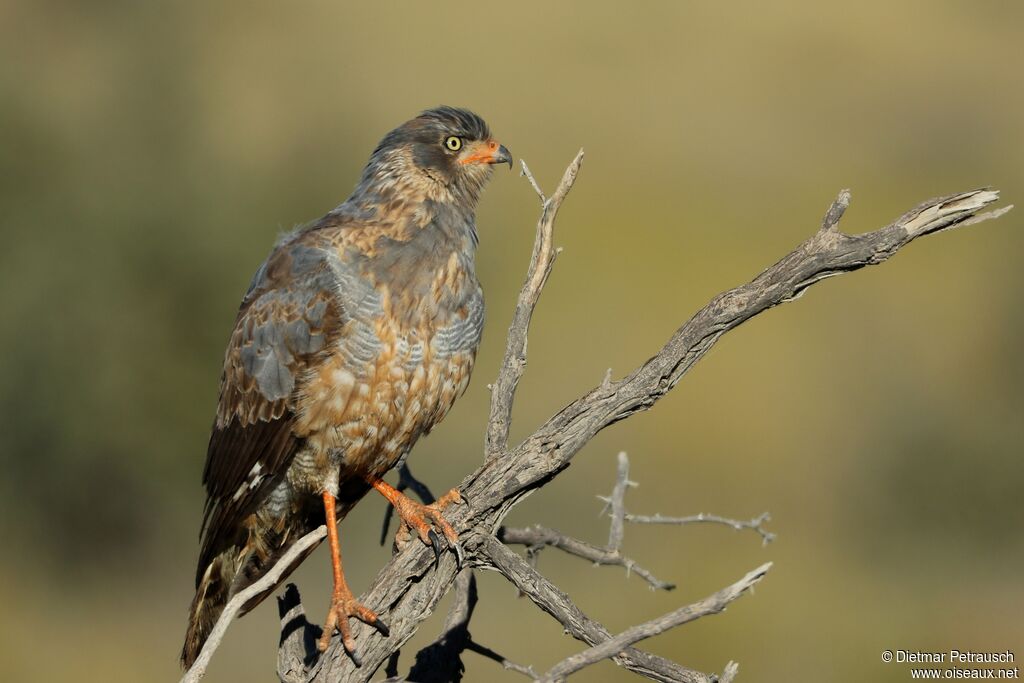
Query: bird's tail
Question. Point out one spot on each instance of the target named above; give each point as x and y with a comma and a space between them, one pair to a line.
234, 570
212, 594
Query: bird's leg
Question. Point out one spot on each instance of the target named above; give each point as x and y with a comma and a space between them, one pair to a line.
422, 518
343, 603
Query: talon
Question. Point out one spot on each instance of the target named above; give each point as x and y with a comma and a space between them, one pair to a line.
328, 631
356, 657
435, 542
460, 555
381, 627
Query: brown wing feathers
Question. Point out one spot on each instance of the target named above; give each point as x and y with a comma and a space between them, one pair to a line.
286, 323
270, 445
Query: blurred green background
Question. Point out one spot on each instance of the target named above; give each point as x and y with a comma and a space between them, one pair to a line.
151, 152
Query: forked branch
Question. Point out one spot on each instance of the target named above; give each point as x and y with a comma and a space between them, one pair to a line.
538, 537
410, 586
407, 590
713, 604
514, 363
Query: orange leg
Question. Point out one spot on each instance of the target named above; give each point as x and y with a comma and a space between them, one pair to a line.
343, 604
422, 518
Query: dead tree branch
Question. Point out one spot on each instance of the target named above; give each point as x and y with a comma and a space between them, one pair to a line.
441, 661
729, 673
504, 388
538, 537
406, 591
615, 505
409, 587
755, 524
555, 602
713, 604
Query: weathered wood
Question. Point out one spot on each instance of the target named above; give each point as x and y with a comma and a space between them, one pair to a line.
713, 604
407, 590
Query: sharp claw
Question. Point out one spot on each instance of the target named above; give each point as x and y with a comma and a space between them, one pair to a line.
435, 542
460, 555
382, 627
356, 657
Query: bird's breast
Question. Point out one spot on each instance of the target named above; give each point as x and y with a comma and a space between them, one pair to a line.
403, 358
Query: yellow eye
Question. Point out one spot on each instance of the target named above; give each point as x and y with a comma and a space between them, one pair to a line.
453, 143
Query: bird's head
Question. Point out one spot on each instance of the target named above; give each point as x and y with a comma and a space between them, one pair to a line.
444, 154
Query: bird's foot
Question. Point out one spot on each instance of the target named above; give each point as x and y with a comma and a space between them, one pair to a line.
422, 519
343, 607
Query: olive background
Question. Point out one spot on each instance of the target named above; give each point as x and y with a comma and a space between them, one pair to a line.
150, 153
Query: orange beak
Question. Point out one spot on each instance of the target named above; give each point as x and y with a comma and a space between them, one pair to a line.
487, 152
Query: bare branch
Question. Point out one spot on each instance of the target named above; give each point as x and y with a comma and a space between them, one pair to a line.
555, 602
827, 253
525, 172
729, 674
950, 212
504, 388
407, 590
491, 654
616, 502
266, 582
618, 505
756, 524
835, 211
536, 536
712, 604
298, 638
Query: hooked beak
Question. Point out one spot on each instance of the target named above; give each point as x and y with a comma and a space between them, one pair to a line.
488, 152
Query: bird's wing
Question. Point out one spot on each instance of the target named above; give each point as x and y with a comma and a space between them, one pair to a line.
286, 325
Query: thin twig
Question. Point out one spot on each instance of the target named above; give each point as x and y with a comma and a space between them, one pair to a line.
537, 536
487, 652
713, 604
755, 524
266, 582
525, 172
555, 602
618, 505
514, 363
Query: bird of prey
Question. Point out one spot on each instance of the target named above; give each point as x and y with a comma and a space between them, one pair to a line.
353, 340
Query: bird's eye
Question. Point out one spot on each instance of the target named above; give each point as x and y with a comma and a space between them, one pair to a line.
454, 143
